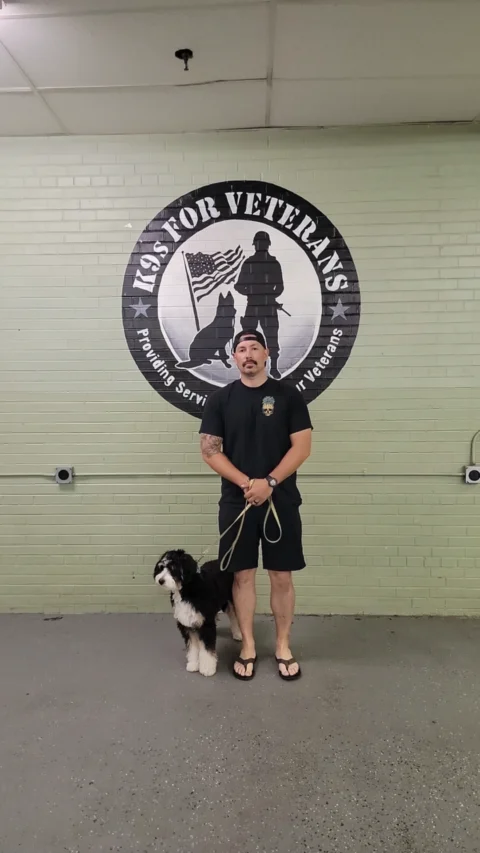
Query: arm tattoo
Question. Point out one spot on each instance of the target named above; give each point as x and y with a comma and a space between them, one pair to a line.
210, 445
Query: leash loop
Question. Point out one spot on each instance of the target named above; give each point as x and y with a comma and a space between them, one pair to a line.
227, 557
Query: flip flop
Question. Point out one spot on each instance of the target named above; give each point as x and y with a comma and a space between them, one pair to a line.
244, 662
288, 663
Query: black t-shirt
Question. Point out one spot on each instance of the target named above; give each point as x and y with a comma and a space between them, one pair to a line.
255, 425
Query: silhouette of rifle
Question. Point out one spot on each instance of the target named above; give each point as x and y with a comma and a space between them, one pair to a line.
280, 307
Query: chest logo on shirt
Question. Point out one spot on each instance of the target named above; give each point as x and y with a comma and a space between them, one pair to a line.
232, 256
268, 406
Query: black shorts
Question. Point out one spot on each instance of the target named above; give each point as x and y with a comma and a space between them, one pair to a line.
284, 556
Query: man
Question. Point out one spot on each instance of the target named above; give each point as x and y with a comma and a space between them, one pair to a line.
259, 429
261, 281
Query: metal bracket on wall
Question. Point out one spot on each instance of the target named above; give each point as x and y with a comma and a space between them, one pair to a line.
472, 475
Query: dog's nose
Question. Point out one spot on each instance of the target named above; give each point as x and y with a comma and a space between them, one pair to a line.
160, 580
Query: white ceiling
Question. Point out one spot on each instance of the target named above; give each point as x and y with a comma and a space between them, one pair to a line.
108, 66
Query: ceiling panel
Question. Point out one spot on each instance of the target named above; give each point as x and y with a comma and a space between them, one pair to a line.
138, 49
395, 39
343, 102
108, 66
25, 115
215, 105
10, 76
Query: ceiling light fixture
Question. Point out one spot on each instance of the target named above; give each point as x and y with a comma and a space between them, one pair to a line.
185, 54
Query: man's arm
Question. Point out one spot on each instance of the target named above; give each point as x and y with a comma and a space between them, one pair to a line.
278, 286
291, 462
244, 279
211, 447
295, 457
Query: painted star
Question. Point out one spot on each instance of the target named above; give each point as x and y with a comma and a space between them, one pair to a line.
339, 309
140, 309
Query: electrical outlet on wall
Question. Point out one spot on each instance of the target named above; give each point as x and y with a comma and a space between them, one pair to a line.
64, 475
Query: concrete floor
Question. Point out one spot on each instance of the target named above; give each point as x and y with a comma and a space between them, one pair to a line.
108, 744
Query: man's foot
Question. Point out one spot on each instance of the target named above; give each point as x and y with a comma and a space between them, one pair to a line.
288, 668
241, 668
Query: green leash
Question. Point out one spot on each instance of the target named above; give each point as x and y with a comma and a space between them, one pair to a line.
271, 510
227, 557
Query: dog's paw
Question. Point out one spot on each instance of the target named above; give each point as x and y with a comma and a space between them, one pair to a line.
237, 636
208, 671
193, 666
208, 664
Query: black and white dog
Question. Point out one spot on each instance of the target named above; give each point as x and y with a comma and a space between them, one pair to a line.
197, 596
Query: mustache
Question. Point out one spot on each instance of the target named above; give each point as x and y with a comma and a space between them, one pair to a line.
249, 361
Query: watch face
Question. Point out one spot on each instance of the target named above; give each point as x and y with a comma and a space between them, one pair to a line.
272, 482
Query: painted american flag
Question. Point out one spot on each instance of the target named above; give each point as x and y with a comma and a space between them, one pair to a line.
207, 272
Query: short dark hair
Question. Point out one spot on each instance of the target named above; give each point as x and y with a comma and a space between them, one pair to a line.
248, 335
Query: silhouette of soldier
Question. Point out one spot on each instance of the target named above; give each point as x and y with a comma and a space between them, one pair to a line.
261, 281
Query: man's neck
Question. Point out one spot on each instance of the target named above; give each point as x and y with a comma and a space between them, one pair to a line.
254, 381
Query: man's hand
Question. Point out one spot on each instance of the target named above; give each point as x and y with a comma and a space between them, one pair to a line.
258, 492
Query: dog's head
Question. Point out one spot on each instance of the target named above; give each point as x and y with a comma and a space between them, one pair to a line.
174, 570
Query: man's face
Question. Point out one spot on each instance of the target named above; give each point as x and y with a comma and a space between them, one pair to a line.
261, 245
250, 357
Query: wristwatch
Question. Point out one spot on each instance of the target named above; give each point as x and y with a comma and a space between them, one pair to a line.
272, 482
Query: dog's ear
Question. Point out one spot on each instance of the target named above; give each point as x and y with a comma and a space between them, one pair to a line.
188, 565
156, 569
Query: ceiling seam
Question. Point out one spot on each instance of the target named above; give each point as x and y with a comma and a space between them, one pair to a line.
34, 90
380, 77
147, 87
272, 18
112, 87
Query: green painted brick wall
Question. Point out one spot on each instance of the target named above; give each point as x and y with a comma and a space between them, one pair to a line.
390, 527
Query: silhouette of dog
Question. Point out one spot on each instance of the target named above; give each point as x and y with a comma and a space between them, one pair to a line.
211, 341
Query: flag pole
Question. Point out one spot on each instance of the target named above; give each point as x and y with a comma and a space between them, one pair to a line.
192, 295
